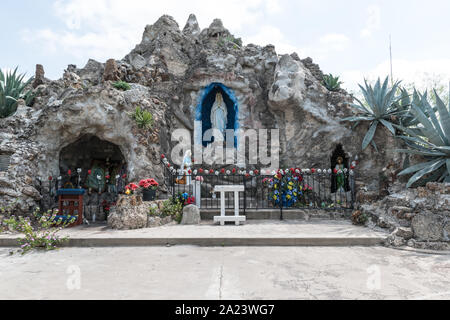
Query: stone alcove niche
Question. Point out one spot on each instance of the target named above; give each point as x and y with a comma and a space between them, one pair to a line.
339, 152
90, 152
203, 111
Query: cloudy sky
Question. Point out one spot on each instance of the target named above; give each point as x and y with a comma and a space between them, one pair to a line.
348, 38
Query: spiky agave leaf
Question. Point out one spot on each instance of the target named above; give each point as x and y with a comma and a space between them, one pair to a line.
430, 139
12, 88
331, 82
381, 103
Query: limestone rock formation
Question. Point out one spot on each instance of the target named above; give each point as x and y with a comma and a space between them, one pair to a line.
168, 72
422, 213
191, 215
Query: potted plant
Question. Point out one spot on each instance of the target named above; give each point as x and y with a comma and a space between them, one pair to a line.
150, 186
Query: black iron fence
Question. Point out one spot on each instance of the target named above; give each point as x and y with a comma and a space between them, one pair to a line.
283, 190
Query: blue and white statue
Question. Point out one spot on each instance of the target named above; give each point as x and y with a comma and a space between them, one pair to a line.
219, 114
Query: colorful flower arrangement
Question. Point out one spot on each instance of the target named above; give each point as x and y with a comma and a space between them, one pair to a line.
186, 199
131, 189
150, 184
287, 188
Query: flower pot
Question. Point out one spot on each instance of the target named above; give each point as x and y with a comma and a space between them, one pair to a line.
149, 195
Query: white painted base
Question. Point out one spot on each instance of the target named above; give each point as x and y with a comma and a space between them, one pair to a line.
236, 219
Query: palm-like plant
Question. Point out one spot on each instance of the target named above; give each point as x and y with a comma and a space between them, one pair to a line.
331, 83
144, 119
381, 106
430, 138
12, 88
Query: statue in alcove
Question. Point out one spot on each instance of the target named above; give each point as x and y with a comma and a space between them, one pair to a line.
219, 114
340, 176
96, 180
339, 162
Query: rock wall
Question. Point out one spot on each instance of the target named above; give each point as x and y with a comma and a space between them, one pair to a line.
419, 215
168, 72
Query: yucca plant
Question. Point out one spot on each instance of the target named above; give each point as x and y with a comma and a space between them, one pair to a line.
143, 118
430, 138
380, 107
12, 88
331, 83
121, 85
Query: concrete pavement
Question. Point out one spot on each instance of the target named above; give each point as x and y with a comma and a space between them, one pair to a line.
253, 233
185, 272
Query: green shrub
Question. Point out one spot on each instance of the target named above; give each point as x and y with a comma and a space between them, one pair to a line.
331, 83
43, 235
428, 137
122, 85
380, 107
143, 118
359, 218
172, 208
237, 42
12, 88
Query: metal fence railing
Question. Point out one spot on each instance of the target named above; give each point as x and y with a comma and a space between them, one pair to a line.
294, 189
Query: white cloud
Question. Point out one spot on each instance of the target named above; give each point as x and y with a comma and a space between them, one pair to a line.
325, 46
272, 35
420, 72
103, 29
373, 22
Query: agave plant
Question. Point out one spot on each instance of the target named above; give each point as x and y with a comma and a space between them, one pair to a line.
12, 88
144, 119
331, 83
381, 107
430, 138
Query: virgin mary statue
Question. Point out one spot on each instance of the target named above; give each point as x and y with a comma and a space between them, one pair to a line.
219, 114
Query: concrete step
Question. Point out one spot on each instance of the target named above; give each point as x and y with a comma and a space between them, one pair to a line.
275, 214
253, 233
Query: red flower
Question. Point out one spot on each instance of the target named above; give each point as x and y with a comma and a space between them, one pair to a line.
313, 170
222, 171
256, 172
234, 170
247, 175
163, 156
69, 172
50, 178
168, 165
124, 176
108, 177
89, 172
211, 171
201, 171
352, 167
190, 171
335, 171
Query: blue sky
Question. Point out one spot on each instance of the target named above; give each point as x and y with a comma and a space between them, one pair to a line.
348, 38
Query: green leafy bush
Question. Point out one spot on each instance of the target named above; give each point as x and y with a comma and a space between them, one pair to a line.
172, 208
43, 235
12, 88
122, 85
331, 83
143, 118
429, 137
237, 42
380, 107
359, 218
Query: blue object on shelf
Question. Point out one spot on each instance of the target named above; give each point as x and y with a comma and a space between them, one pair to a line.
71, 192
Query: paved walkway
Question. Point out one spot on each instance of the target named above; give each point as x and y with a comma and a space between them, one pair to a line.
185, 272
260, 233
